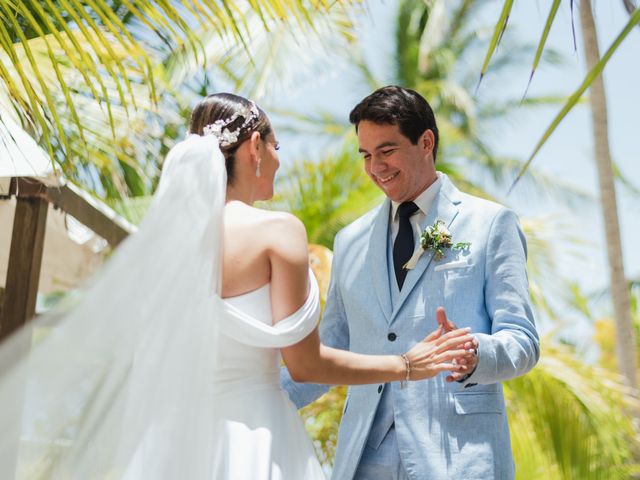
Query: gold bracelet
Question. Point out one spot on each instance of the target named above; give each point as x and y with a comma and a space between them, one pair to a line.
407, 363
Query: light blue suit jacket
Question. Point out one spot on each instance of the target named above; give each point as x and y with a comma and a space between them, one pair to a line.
443, 430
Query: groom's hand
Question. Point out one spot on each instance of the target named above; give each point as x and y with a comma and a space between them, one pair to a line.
470, 361
443, 321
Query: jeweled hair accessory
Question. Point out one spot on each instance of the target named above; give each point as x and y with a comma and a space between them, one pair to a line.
220, 128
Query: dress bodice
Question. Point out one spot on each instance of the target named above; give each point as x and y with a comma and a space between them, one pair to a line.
248, 356
243, 366
256, 303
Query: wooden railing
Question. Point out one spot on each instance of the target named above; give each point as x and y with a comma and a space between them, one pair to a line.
27, 242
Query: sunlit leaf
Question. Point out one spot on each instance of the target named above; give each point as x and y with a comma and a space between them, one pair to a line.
498, 31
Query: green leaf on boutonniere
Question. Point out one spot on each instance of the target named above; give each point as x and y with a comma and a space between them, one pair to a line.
437, 237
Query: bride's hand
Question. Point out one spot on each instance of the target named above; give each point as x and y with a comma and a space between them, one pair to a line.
436, 353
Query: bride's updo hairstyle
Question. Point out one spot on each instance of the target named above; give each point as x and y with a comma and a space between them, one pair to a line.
215, 115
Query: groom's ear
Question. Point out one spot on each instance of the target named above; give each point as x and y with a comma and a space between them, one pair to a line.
427, 141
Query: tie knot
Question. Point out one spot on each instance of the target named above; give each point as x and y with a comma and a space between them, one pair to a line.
406, 209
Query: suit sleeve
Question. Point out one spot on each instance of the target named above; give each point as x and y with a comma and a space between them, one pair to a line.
334, 332
513, 347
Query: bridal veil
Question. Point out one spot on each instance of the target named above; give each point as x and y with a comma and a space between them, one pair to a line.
119, 384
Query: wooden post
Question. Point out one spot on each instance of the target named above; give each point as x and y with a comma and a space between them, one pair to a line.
21, 290
25, 258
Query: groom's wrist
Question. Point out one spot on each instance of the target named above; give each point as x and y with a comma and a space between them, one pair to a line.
467, 376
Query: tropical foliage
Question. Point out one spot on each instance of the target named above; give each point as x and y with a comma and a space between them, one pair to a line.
569, 420
105, 85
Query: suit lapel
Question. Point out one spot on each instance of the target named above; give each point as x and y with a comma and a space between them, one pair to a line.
445, 207
378, 258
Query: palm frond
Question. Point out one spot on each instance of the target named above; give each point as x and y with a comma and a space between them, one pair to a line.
499, 110
570, 420
44, 41
460, 17
634, 20
575, 97
498, 31
543, 40
262, 67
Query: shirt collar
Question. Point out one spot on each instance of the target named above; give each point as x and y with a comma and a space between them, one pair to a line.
423, 201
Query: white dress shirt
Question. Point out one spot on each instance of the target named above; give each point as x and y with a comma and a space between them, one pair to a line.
424, 201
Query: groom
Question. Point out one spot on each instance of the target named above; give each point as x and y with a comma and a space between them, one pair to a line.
452, 427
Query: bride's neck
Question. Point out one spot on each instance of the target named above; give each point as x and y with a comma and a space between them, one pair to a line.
234, 193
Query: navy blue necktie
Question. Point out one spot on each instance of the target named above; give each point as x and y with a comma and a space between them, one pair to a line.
403, 246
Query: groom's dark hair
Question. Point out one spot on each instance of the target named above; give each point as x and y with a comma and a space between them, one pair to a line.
393, 105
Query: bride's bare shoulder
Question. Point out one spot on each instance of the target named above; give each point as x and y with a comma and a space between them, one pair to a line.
267, 224
284, 232
284, 222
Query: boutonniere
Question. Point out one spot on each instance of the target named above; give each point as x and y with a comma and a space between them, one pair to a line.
437, 237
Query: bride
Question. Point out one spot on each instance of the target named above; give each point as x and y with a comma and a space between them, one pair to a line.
167, 365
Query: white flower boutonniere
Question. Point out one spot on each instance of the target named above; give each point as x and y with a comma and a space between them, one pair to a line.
436, 237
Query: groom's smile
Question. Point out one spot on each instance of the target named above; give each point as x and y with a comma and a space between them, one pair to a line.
399, 168
389, 178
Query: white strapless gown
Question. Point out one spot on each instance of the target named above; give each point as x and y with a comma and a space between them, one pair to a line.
260, 434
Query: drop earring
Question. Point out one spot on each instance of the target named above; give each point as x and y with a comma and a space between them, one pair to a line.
258, 170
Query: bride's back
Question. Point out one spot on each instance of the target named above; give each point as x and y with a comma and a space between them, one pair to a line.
263, 247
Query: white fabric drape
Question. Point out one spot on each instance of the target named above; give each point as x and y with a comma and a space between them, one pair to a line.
121, 386
243, 328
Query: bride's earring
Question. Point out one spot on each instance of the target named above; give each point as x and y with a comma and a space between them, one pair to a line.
258, 170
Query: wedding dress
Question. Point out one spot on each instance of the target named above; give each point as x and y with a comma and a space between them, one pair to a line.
261, 434
148, 374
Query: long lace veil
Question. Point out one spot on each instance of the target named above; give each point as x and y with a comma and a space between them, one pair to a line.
118, 385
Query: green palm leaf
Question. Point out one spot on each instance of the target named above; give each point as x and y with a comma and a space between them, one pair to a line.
543, 40
91, 37
498, 31
575, 96
569, 420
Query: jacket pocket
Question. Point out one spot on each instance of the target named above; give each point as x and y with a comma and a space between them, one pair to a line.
478, 402
457, 264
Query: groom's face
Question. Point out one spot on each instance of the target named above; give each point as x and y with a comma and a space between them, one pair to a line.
399, 168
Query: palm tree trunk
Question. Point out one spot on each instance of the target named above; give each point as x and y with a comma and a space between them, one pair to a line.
625, 337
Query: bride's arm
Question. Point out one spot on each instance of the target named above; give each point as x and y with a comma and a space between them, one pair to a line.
311, 361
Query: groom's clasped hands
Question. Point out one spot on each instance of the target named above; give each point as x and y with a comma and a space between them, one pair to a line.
448, 348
